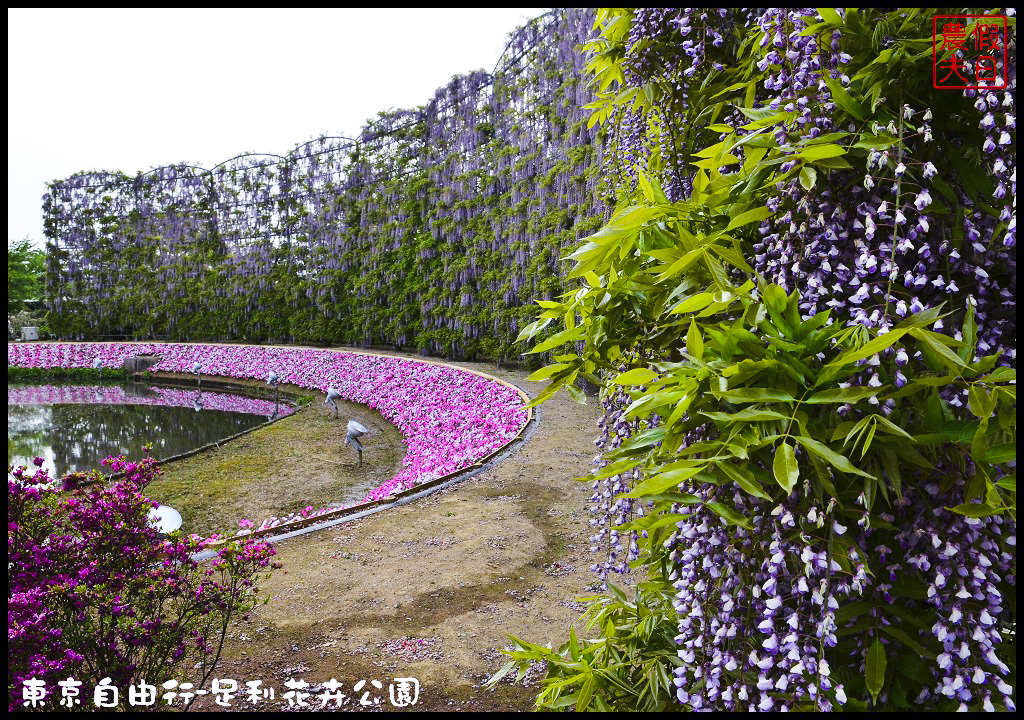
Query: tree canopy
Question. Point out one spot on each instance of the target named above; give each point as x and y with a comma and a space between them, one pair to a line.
24, 273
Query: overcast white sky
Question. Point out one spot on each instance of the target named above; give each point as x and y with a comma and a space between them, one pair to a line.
131, 90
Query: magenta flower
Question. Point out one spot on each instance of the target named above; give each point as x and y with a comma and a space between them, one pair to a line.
449, 418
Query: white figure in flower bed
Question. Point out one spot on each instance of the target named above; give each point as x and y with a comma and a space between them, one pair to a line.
354, 432
275, 381
333, 395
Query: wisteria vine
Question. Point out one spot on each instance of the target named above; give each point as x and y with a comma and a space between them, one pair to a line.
878, 206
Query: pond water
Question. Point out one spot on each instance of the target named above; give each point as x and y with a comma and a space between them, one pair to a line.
73, 427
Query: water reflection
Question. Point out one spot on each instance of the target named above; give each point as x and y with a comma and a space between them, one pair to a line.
74, 427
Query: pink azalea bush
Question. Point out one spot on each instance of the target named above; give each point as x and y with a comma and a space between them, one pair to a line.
449, 418
94, 592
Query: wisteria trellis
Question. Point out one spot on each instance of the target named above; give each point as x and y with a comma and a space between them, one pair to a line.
435, 228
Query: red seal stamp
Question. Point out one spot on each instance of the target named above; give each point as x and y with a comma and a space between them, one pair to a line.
969, 51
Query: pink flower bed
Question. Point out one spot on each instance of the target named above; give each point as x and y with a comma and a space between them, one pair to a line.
449, 418
177, 397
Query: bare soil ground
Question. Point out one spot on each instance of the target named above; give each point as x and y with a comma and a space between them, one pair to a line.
429, 590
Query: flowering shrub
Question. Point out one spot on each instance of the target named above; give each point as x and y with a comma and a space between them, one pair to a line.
802, 319
93, 592
449, 418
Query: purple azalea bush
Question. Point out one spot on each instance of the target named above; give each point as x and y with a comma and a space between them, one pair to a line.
94, 593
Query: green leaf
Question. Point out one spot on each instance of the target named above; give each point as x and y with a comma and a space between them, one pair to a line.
694, 342
808, 176
975, 510
577, 395
883, 141
912, 667
657, 484
652, 522
886, 425
505, 670
867, 350
744, 478
693, 303
836, 163
785, 467
574, 646
843, 395
547, 371
750, 216
818, 152
843, 98
729, 514
636, 376
648, 402
980, 402
908, 641
933, 341
830, 16
644, 440
532, 329
586, 692
998, 454
892, 470
863, 452
970, 335
746, 415
755, 395
832, 457
849, 610
1001, 374
559, 338
682, 264
874, 671
586, 251
775, 297
680, 409
645, 185
547, 392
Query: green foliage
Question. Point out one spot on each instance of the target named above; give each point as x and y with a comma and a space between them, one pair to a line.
25, 273
626, 668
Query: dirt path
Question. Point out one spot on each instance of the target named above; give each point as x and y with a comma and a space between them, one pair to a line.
431, 590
